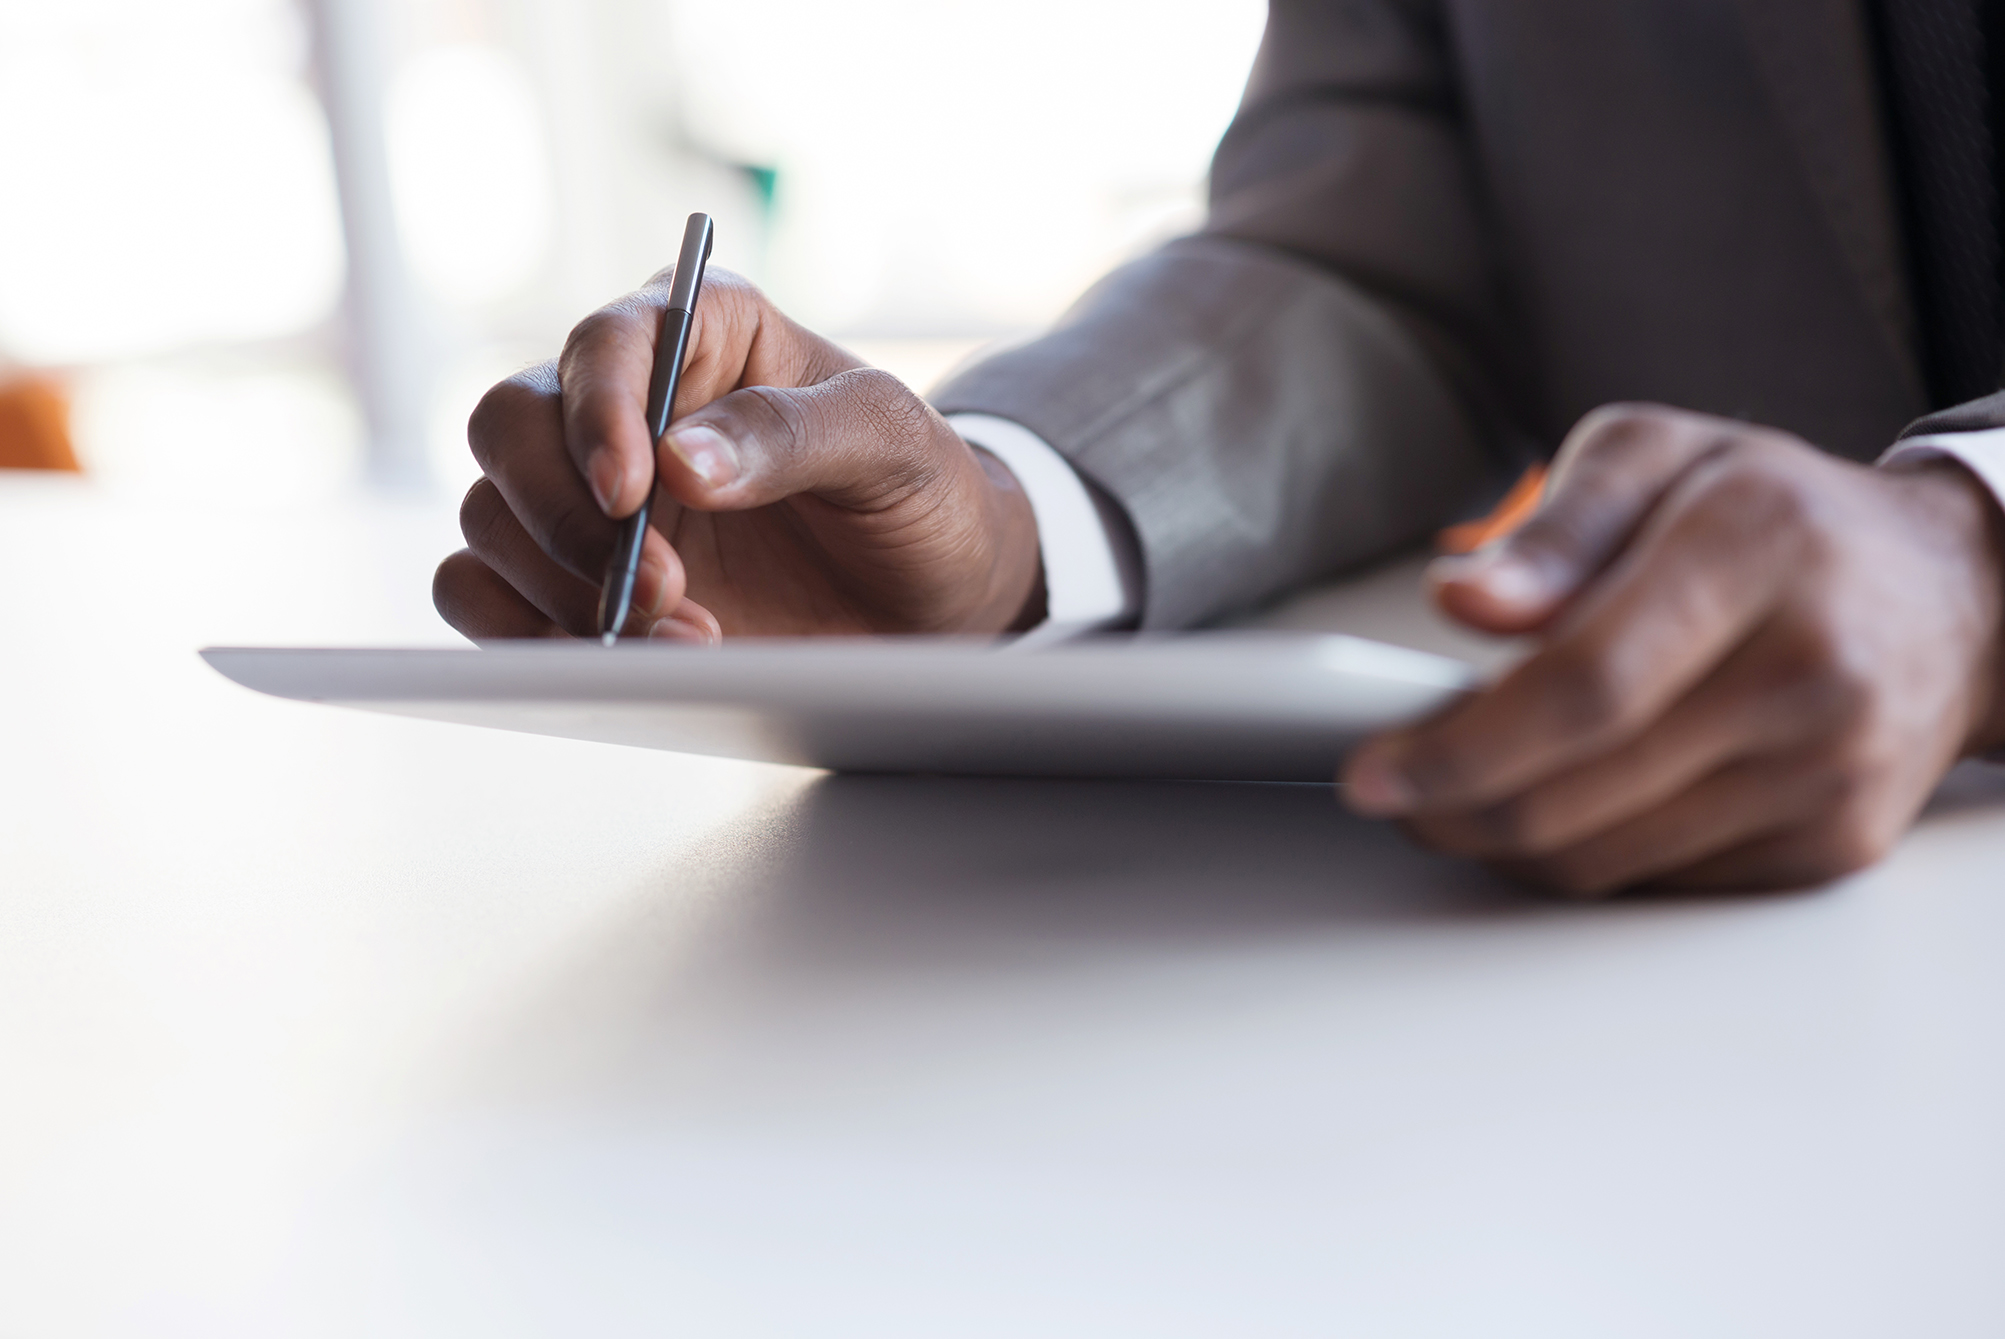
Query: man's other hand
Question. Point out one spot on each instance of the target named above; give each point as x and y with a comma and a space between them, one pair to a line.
798, 491
1754, 663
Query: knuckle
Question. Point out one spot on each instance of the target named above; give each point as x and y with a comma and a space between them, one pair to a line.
578, 536
882, 389
1623, 420
719, 282
1588, 694
1565, 531
1847, 713
449, 583
603, 326
1439, 768
777, 417
505, 404
1754, 495
1834, 787
1808, 651
1518, 827
1762, 501
727, 285
900, 420
1852, 814
886, 404
482, 506
1833, 677
1819, 675
734, 308
1617, 429
1855, 778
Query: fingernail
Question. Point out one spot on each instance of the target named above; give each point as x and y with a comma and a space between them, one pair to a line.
603, 473
681, 630
1459, 566
1513, 580
1505, 577
1374, 786
708, 453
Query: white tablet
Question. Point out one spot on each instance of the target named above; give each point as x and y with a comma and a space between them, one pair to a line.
1210, 706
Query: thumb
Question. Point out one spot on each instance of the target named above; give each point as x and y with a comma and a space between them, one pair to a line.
1609, 473
859, 440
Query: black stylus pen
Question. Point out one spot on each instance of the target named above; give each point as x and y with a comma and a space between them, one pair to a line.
617, 597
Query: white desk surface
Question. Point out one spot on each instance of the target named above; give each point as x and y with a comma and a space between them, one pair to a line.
321, 1023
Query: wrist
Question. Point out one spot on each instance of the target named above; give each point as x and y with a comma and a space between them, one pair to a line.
1014, 595
1960, 509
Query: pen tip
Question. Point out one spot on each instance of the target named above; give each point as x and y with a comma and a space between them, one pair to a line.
608, 638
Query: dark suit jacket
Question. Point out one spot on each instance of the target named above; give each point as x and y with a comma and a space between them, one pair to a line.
1440, 231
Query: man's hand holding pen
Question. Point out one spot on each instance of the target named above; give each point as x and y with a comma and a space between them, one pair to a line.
798, 491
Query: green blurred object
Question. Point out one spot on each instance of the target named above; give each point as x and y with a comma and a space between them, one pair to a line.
766, 181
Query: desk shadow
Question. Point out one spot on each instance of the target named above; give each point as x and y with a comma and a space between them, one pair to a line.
915, 895
1970, 785
883, 866
860, 922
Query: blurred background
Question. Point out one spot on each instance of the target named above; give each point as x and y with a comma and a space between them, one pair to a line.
273, 250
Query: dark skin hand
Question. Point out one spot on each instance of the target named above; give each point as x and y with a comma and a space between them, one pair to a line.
800, 491
1754, 662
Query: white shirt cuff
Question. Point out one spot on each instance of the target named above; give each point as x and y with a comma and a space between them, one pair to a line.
1982, 453
1090, 581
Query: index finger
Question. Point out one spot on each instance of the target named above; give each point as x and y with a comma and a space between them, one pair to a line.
736, 338
1693, 586
1613, 468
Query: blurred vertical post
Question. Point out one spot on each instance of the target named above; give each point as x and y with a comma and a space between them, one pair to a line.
389, 350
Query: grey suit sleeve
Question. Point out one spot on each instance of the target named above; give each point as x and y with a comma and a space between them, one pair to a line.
1970, 416
1971, 434
1312, 381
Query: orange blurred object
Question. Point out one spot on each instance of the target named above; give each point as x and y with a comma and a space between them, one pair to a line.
35, 426
1506, 516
